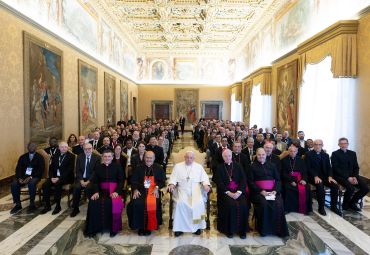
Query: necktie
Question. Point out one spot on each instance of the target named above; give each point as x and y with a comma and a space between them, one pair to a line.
219, 145
87, 169
61, 159
318, 156
251, 154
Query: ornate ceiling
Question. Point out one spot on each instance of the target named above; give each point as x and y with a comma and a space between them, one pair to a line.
187, 26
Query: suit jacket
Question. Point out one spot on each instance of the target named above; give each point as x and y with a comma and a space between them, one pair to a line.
134, 143
158, 152
49, 151
37, 164
271, 135
65, 169
288, 141
343, 169
78, 149
131, 122
245, 151
202, 119
313, 165
231, 141
121, 122
133, 152
81, 165
257, 145
135, 161
277, 152
182, 121
102, 149
123, 163
301, 151
98, 145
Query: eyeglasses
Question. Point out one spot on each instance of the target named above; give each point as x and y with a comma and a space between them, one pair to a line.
320, 144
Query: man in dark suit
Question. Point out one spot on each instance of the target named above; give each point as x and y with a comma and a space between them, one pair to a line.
53, 142
249, 150
96, 142
302, 142
201, 118
79, 148
231, 139
300, 151
120, 122
131, 121
267, 131
60, 173
218, 160
148, 118
274, 133
273, 157
182, 124
346, 173
85, 174
158, 151
286, 139
29, 170
259, 142
320, 173
135, 139
250, 135
214, 146
238, 157
106, 145
275, 150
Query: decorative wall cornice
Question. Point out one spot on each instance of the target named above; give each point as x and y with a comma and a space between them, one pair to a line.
259, 71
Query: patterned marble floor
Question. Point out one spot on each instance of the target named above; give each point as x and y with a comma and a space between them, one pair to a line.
60, 234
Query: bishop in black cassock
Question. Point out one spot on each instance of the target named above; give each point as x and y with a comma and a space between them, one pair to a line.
144, 211
105, 207
263, 178
233, 211
296, 191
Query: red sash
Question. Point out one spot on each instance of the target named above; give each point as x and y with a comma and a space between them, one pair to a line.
302, 192
117, 206
266, 184
151, 205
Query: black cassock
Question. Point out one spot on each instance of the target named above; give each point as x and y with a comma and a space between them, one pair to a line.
269, 213
291, 193
232, 214
99, 212
136, 209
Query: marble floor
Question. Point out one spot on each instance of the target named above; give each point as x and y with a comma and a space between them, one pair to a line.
59, 234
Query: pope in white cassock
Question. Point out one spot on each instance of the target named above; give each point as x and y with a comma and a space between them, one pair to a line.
189, 183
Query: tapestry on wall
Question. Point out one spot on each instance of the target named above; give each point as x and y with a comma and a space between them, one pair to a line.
287, 98
124, 101
43, 90
247, 102
109, 99
87, 97
187, 104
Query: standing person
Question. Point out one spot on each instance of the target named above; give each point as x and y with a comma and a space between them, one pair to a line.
182, 124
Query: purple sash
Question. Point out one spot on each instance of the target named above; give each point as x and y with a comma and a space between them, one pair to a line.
232, 186
267, 184
117, 206
302, 193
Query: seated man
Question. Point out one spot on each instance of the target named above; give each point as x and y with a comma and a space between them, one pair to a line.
320, 173
106, 146
190, 179
85, 173
96, 142
280, 145
105, 207
60, 173
300, 150
233, 211
259, 142
249, 151
217, 159
144, 211
264, 180
29, 170
309, 144
53, 142
79, 148
297, 194
272, 157
158, 151
275, 151
346, 173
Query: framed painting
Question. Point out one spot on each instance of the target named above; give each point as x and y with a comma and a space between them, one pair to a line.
87, 97
187, 104
43, 91
186, 69
287, 98
247, 102
109, 99
124, 101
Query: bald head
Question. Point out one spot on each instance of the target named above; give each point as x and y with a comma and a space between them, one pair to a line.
317, 145
149, 158
81, 140
63, 147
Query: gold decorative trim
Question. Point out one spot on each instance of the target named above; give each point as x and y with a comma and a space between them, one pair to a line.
339, 28
259, 71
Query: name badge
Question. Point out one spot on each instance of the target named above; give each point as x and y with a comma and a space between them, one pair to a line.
147, 183
58, 173
29, 171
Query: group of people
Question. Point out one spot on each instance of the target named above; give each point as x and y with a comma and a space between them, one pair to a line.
246, 170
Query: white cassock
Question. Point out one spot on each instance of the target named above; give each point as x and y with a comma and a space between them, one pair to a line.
189, 197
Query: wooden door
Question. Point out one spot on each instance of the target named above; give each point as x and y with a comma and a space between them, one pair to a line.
211, 111
162, 112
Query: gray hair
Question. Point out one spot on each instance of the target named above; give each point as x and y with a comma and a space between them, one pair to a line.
250, 139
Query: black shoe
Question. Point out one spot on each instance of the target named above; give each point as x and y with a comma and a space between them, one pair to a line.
46, 209
197, 232
263, 235
322, 212
178, 233
57, 210
140, 232
112, 234
16, 209
286, 212
308, 213
93, 234
242, 234
147, 233
31, 209
354, 207
335, 210
229, 235
74, 212
345, 208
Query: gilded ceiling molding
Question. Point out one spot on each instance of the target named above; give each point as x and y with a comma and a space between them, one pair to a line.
338, 41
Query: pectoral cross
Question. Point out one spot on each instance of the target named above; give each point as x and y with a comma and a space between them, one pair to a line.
187, 178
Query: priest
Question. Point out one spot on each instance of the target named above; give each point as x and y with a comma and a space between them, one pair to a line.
190, 184
241, 159
233, 212
296, 192
271, 157
144, 211
105, 207
264, 184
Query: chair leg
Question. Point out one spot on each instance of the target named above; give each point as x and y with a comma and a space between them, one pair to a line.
171, 208
362, 203
69, 201
39, 193
340, 199
208, 222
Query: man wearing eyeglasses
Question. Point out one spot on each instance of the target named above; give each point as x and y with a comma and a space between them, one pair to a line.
346, 172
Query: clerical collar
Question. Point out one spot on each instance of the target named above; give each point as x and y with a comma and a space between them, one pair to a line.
228, 164
317, 152
343, 151
31, 153
106, 164
236, 154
